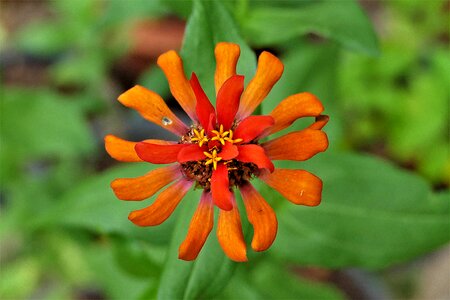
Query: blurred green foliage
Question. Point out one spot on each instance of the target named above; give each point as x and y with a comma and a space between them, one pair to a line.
64, 235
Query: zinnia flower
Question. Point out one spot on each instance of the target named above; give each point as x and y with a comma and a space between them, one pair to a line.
221, 151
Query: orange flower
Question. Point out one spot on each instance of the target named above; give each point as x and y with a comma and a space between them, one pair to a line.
220, 151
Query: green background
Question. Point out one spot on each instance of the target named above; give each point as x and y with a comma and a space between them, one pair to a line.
381, 70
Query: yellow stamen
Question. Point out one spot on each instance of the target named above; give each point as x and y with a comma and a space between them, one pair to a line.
220, 135
213, 158
230, 138
199, 137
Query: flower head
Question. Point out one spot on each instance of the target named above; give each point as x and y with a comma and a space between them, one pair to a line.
221, 151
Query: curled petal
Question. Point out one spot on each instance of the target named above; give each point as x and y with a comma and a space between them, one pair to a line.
229, 151
203, 107
163, 207
227, 55
191, 153
298, 145
199, 229
252, 153
294, 107
120, 149
220, 188
172, 66
228, 100
229, 233
269, 71
261, 216
158, 154
153, 108
298, 186
252, 127
320, 122
142, 187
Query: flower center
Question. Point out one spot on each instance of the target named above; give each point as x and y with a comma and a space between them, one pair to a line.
212, 144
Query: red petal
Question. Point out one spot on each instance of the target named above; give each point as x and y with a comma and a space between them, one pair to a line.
229, 151
228, 99
261, 216
252, 127
220, 187
199, 229
158, 154
255, 154
191, 153
203, 107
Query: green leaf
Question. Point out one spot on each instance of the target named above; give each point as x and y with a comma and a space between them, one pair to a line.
372, 215
342, 21
201, 278
134, 257
209, 24
273, 282
93, 206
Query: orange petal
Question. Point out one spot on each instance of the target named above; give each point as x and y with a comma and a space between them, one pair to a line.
121, 150
267, 74
298, 145
227, 55
294, 107
172, 66
298, 186
164, 205
261, 216
229, 233
142, 187
320, 122
153, 108
199, 229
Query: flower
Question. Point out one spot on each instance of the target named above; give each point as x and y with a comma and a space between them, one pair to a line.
221, 151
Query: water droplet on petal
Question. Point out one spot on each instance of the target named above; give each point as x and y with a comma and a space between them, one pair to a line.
301, 193
166, 121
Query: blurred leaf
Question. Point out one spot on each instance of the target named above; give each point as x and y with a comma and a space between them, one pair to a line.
309, 68
45, 39
93, 206
273, 282
181, 8
270, 280
372, 215
116, 283
133, 257
19, 278
198, 279
342, 21
37, 124
85, 70
209, 24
